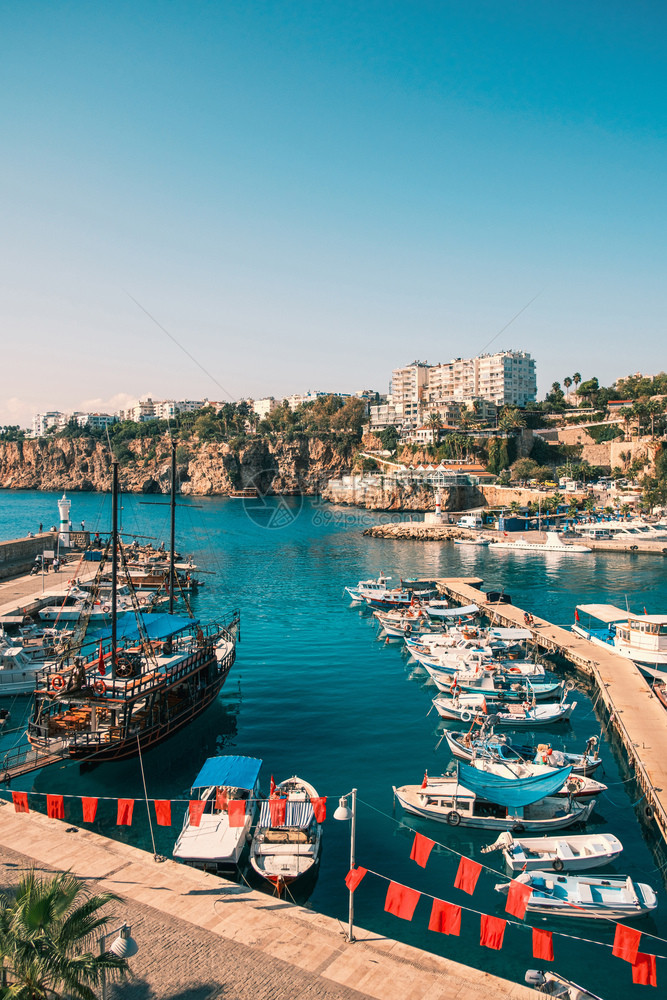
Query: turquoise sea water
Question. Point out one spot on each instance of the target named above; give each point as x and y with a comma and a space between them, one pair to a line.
314, 692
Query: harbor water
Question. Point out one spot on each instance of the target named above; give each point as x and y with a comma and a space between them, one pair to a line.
315, 692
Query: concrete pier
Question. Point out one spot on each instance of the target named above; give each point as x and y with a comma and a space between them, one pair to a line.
634, 711
203, 937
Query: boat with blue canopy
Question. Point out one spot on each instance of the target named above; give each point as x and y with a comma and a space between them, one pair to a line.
214, 834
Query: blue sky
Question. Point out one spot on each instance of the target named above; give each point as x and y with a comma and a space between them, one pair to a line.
308, 194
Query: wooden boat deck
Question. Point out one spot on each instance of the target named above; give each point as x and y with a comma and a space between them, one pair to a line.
634, 711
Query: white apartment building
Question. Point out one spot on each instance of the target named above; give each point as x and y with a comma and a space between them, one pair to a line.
95, 421
41, 422
161, 409
262, 407
506, 379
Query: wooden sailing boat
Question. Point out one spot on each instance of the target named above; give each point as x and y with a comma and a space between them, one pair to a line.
136, 690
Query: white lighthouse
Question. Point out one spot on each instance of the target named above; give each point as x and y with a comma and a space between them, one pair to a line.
63, 532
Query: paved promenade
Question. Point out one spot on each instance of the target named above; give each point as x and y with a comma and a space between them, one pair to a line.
24, 591
201, 937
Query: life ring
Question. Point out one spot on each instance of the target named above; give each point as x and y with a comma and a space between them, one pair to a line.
99, 687
143, 600
466, 716
454, 689
408, 629
454, 817
648, 812
557, 865
57, 682
106, 608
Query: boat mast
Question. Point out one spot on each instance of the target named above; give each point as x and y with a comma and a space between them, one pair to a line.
172, 543
114, 565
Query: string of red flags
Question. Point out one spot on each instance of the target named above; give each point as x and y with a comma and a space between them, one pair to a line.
643, 970
124, 813
518, 895
492, 931
445, 917
421, 849
543, 945
89, 809
626, 943
55, 806
163, 812
401, 901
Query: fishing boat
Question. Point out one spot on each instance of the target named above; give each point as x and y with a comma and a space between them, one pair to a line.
496, 686
478, 540
585, 896
570, 853
476, 801
365, 587
499, 746
442, 610
552, 984
640, 638
213, 844
465, 707
286, 847
148, 679
553, 543
576, 786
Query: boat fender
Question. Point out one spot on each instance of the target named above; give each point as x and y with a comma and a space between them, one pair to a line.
557, 865
99, 687
466, 716
518, 828
454, 817
408, 629
57, 682
648, 812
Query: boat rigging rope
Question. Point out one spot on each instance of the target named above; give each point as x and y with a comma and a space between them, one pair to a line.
156, 856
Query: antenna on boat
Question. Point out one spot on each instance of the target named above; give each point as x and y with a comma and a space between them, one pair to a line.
172, 543
114, 566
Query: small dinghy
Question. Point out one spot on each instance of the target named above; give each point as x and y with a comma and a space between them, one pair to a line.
554, 985
576, 786
465, 707
499, 746
286, 848
585, 896
570, 853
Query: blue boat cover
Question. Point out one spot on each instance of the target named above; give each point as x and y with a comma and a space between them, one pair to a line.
232, 772
514, 792
154, 626
298, 814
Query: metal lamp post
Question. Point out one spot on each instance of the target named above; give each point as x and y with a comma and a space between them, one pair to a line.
123, 947
345, 812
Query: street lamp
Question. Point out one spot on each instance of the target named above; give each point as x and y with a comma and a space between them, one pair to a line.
345, 812
123, 947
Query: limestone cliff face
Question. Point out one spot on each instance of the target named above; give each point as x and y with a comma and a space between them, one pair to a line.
280, 466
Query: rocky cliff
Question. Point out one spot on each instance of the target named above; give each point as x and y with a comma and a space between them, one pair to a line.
82, 463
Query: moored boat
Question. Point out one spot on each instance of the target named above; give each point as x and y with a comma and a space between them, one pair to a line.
286, 844
585, 896
466, 707
216, 841
640, 638
499, 746
552, 984
553, 543
566, 852
576, 786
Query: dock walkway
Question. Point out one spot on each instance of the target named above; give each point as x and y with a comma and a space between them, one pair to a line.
635, 712
204, 938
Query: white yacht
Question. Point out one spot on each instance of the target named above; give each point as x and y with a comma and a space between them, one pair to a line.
216, 843
553, 543
640, 638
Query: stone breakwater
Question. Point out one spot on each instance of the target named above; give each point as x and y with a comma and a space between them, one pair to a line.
421, 532
301, 465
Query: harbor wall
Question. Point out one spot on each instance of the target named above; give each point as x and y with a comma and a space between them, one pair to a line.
18, 556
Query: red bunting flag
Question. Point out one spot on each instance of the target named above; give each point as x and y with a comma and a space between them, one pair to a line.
421, 849
124, 815
55, 806
626, 943
20, 800
425, 780
543, 945
89, 809
576, 615
272, 786
643, 970
401, 901
492, 932
517, 899
100, 666
484, 707
162, 812
445, 917
278, 809
319, 808
354, 877
467, 875
221, 799
196, 811
236, 810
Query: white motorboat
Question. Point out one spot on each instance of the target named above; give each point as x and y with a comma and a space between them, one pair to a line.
443, 610
585, 896
495, 685
570, 853
553, 543
499, 746
478, 540
285, 852
215, 845
366, 587
471, 665
465, 707
22, 659
554, 985
576, 786
445, 800
640, 638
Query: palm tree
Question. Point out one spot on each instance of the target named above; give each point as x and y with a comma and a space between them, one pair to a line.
567, 382
514, 508
510, 419
48, 931
654, 407
576, 378
572, 509
625, 510
555, 501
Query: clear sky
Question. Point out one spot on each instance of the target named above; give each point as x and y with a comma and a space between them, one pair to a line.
308, 194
